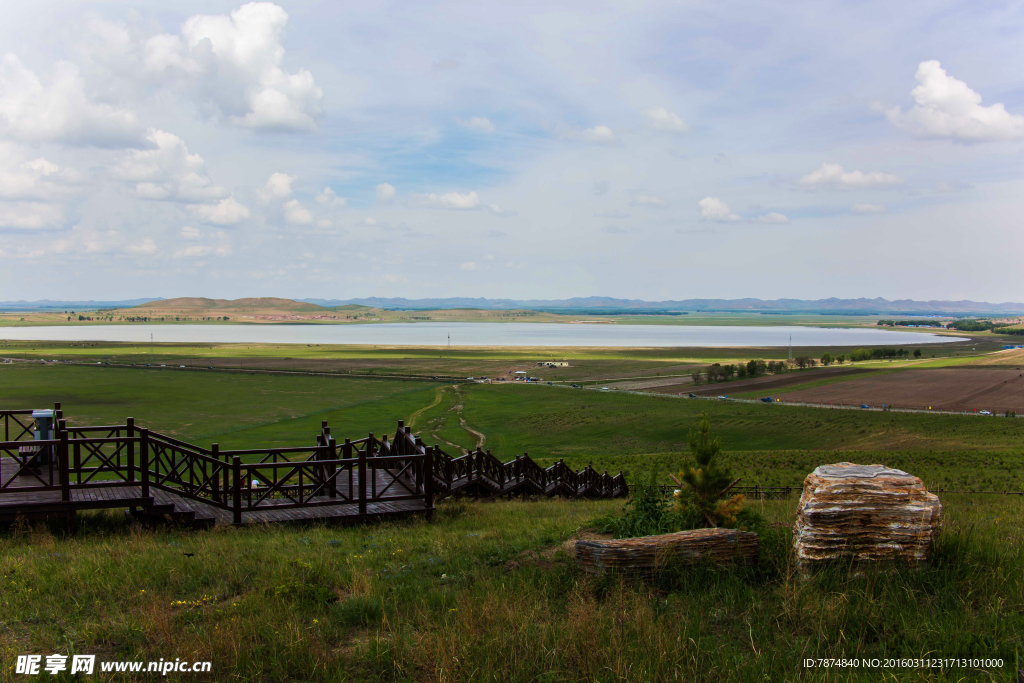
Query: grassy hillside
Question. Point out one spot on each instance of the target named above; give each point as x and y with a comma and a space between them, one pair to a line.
767, 444
487, 591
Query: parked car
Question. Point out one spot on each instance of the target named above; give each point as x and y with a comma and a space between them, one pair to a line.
604, 388
693, 395
864, 405
766, 399
984, 412
575, 386
723, 397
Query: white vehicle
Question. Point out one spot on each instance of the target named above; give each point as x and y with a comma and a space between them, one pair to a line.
984, 412
604, 388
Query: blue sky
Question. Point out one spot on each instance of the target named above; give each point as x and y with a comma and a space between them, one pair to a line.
641, 150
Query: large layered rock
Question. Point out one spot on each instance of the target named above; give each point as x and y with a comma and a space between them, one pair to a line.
865, 512
647, 554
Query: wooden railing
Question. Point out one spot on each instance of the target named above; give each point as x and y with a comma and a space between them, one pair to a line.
16, 427
482, 475
358, 473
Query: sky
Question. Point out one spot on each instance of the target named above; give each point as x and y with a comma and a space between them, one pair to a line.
651, 150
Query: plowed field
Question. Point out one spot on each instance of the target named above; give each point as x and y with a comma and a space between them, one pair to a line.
958, 389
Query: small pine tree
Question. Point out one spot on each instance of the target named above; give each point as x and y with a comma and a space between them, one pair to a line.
707, 481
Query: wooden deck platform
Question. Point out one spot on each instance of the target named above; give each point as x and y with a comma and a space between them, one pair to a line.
161, 478
34, 503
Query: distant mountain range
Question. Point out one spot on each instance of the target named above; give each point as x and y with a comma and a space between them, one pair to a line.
597, 304
600, 303
71, 305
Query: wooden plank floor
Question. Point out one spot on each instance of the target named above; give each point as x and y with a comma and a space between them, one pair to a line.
34, 501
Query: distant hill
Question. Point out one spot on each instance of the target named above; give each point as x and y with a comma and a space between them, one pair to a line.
230, 305
43, 304
201, 306
833, 305
591, 304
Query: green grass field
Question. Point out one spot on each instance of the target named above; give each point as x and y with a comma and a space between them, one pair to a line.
486, 591
767, 444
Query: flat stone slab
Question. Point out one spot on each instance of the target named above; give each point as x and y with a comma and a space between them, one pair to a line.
867, 513
646, 554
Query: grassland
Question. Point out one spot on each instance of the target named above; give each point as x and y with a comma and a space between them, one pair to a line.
768, 444
486, 591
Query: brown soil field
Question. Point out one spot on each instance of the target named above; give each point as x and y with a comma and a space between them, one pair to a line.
765, 383
1014, 357
964, 389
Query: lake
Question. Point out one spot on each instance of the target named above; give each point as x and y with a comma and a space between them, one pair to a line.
482, 334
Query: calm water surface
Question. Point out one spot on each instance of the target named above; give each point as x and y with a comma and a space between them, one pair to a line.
482, 334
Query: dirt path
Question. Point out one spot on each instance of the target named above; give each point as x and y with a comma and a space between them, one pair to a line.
479, 437
438, 395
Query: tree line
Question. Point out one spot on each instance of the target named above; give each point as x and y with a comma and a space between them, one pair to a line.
717, 372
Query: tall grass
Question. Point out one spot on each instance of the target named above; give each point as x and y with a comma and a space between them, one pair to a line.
486, 592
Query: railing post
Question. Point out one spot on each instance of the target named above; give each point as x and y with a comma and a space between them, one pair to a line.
130, 431
144, 463
215, 479
236, 506
62, 468
428, 480
332, 449
362, 478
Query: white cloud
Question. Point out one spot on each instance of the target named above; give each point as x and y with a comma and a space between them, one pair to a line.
478, 123
773, 218
324, 223
617, 230
36, 179
496, 210
200, 250
714, 209
598, 134
450, 200
30, 215
469, 265
948, 108
216, 244
227, 212
648, 200
833, 177
370, 221
278, 186
61, 111
235, 63
955, 186
663, 120
167, 171
386, 192
146, 246
295, 214
327, 198
868, 208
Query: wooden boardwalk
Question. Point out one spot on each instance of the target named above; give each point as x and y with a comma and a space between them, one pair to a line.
32, 502
160, 478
